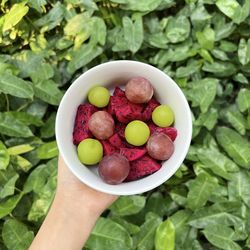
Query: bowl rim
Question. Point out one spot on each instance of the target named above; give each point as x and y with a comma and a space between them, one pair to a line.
140, 189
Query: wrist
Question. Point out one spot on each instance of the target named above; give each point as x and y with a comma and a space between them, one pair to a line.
76, 207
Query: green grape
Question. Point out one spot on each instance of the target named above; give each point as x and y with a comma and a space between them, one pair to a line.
163, 116
90, 151
137, 133
99, 96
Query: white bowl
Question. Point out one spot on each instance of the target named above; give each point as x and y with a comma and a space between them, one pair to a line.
111, 74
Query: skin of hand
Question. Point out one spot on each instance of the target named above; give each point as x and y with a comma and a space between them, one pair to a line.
73, 213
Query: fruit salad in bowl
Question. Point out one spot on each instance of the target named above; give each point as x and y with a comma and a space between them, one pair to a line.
123, 127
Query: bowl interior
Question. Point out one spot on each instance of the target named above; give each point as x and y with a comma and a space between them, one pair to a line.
112, 74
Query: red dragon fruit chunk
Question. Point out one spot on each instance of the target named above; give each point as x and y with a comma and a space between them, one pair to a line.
147, 112
171, 132
142, 167
115, 141
108, 149
132, 154
81, 131
120, 129
119, 92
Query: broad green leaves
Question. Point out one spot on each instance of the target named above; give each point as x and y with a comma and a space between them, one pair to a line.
11, 126
165, 236
10, 84
177, 29
145, 238
82, 56
4, 156
243, 99
16, 235
133, 33
15, 15
8, 205
221, 236
108, 235
203, 45
47, 150
200, 190
196, 93
127, 205
239, 187
48, 92
244, 51
237, 147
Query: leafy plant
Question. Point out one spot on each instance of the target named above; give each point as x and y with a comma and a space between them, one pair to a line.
204, 45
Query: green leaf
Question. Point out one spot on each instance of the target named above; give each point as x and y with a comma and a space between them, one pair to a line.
220, 69
228, 7
133, 33
213, 215
239, 187
127, 205
82, 56
10, 84
206, 38
48, 92
196, 93
52, 18
144, 240
22, 163
8, 205
37, 179
78, 24
9, 187
15, 15
243, 100
242, 12
237, 147
108, 235
200, 190
157, 204
37, 5
179, 220
221, 236
26, 118
244, 51
47, 150
208, 119
165, 236
4, 156
234, 118
143, 6
13, 127
191, 68
20, 149
16, 235
130, 227
48, 129
178, 29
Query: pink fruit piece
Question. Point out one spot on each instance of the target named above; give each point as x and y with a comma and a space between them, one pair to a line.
147, 112
108, 149
129, 112
132, 154
116, 141
171, 132
120, 129
119, 92
142, 167
81, 130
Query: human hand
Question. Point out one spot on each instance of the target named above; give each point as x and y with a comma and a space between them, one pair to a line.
72, 215
75, 193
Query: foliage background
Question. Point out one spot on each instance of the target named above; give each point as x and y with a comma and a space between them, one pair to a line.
204, 45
